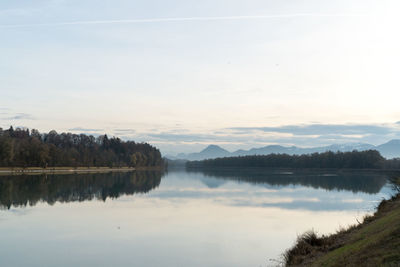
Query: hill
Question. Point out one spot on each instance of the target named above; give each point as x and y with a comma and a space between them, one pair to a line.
210, 152
390, 149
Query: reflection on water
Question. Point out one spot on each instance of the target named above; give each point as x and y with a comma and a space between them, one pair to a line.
296, 189
212, 218
30, 189
355, 181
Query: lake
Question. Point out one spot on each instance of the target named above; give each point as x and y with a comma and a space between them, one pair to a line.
179, 218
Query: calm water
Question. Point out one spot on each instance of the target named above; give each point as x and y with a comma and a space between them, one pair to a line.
224, 218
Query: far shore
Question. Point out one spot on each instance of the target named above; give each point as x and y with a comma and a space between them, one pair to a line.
69, 170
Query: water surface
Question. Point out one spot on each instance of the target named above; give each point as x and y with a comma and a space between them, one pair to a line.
211, 218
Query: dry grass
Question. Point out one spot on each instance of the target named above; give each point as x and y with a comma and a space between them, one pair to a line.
306, 244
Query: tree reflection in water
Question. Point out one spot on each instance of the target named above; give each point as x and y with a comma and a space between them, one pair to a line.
370, 182
30, 189
26, 190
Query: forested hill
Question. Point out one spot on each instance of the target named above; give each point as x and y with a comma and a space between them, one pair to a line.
24, 148
370, 159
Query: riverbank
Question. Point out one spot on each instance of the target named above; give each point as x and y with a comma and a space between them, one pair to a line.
374, 242
69, 170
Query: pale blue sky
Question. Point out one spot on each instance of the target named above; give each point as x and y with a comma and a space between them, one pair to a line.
183, 74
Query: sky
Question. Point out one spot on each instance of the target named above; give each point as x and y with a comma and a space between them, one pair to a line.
184, 74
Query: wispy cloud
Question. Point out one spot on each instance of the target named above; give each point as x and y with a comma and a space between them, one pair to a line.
85, 130
323, 129
20, 116
311, 135
183, 19
124, 131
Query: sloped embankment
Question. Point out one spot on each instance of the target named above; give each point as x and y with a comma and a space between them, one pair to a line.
375, 242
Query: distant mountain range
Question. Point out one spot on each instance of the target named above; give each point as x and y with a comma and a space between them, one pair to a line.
389, 150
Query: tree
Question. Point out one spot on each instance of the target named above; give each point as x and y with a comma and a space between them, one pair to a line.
31, 149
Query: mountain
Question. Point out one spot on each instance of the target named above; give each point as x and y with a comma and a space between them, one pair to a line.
389, 150
210, 152
265, 150
293, 150
212, 182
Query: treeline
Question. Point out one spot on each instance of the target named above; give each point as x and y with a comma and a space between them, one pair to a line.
24, 148
370, 159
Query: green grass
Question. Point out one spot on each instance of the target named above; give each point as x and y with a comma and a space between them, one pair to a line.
375, 242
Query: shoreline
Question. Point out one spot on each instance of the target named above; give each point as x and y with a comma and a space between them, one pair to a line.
72, 170
374, 241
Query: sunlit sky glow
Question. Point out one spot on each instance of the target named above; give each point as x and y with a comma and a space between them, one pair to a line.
184, 74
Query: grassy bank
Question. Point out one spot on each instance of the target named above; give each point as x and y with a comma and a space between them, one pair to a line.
374, 242
60, 170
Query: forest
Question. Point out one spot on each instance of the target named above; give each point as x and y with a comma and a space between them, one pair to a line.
24, 148
370, 159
